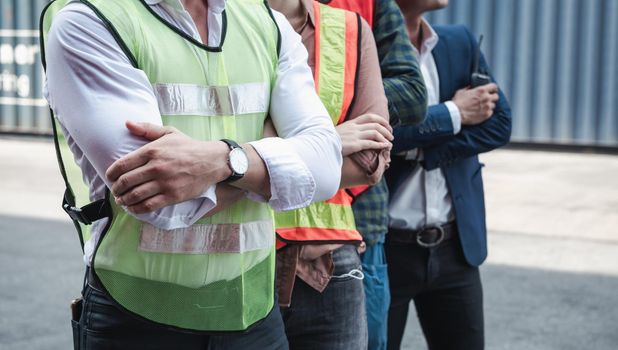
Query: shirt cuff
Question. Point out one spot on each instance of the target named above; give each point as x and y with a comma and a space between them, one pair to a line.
291, 184
455, 116
183, 214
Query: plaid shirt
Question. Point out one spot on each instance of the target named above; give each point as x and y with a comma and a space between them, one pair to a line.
407, 104
403, 81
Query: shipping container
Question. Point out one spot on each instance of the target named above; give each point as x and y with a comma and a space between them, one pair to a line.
22, 107
554, 59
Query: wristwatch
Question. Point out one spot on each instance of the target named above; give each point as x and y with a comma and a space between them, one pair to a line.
237, 160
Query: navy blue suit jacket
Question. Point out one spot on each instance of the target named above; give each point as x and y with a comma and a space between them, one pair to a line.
457, 154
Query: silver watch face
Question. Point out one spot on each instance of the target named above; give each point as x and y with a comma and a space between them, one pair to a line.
239, 161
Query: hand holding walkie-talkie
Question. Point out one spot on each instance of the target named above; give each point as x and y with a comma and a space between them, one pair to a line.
477, 102
479, 77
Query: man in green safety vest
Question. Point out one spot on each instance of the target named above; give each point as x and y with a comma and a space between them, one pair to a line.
150, 98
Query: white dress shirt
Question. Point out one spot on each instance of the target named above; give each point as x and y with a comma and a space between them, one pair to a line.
94, 89
423, 198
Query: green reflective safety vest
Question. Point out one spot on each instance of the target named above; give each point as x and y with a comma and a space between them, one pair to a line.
337, 41
217, 275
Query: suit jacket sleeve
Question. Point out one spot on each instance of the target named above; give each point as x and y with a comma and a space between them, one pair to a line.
437, 128
472, 140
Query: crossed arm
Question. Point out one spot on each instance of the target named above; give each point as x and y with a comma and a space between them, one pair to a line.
365, 137
94, 90
485, 119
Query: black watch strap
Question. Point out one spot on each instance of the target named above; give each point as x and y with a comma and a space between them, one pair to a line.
235, 176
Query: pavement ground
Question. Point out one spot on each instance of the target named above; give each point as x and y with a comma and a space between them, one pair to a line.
551, 279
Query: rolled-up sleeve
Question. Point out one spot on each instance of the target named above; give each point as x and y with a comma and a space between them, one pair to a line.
304, 163
93, 89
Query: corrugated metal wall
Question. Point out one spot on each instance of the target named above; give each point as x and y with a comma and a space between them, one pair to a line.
555, 59
22, 108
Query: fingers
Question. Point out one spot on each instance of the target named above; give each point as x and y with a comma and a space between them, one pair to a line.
139, 194
373, 118
370, 144
127, 163
491, 88
379, 128
373, 135
149, 205
147, 130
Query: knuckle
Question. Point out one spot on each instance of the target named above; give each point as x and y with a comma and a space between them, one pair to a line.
134, 195
123, 182
149, 205
158, 168
121, 167
167, 187
151, 152
176, 196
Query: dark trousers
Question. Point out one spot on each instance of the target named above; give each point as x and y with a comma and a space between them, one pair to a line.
103, 326
334, 319
447, 293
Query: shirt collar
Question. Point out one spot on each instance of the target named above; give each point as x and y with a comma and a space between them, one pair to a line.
308, 4
430, 38
216, 6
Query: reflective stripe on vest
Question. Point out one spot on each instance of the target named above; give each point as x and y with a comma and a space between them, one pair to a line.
217, 275
185, 99
335, 76
365, 8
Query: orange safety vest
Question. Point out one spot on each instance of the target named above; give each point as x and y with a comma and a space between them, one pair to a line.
365, 8
337, 40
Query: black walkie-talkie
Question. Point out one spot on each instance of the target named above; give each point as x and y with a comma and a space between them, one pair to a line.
479, 78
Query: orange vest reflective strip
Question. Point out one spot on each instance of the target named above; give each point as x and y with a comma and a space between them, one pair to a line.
365, 8
317, 235
335, 73
352, 44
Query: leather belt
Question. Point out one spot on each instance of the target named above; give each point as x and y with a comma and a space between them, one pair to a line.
428, 237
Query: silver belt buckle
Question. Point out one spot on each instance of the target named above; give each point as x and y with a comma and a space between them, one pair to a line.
419, 239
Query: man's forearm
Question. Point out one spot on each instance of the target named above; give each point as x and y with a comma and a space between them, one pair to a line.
362, 170
226, 197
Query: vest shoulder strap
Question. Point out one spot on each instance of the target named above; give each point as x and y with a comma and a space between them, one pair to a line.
336, 70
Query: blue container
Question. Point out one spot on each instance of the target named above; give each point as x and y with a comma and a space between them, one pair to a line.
22, 107
555, 60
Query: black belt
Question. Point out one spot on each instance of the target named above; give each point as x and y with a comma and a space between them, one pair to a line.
427, 237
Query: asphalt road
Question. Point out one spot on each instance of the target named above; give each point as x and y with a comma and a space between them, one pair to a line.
551, 281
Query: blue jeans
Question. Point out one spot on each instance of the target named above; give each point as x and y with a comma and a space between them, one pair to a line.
377, 294
334, 319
